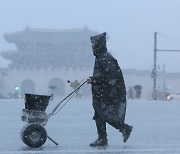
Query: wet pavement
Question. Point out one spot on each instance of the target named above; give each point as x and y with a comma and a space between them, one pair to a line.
156, 129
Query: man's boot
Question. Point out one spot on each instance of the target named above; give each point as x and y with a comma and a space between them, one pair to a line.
102, 135
126, 132
100, 142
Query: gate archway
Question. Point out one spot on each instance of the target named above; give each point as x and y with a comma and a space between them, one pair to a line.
56, 87
27, 86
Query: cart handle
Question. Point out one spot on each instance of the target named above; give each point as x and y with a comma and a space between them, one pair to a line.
57, 106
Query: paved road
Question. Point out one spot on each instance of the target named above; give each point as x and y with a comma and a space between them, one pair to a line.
156, 129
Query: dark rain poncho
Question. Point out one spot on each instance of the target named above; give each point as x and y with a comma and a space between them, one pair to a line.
108, 88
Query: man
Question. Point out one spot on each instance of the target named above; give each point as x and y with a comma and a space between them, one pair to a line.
108, 91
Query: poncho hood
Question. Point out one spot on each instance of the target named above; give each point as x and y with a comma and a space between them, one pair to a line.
99, 44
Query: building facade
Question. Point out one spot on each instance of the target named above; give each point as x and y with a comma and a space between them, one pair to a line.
44, 60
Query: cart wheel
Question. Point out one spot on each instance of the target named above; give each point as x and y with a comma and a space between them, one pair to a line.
34, 135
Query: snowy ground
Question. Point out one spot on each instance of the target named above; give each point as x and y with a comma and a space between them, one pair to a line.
156, 129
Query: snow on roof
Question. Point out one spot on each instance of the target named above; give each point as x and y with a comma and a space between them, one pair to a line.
56, 30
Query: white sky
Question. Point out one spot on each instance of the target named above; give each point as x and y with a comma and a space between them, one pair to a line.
130, 25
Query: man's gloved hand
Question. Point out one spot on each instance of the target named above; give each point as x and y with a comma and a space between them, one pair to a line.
89, 81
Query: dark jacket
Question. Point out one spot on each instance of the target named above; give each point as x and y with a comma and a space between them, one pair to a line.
108, 88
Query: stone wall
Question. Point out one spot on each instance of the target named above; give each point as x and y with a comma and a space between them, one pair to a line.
40, 80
